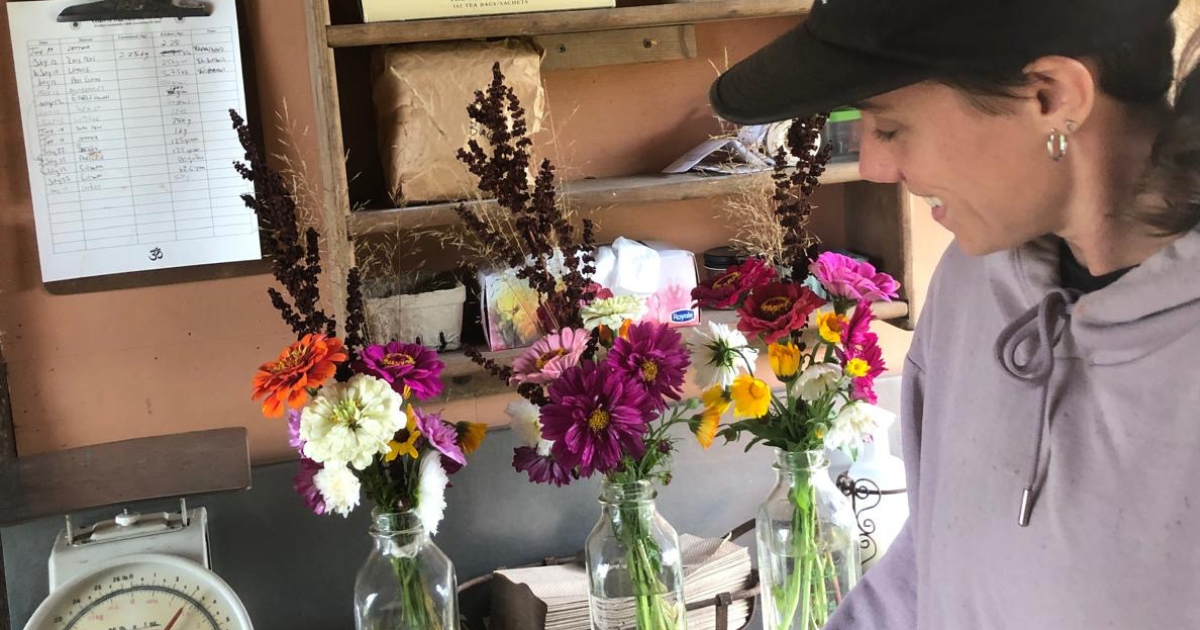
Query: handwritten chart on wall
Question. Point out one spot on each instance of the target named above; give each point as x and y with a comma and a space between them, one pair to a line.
129, 142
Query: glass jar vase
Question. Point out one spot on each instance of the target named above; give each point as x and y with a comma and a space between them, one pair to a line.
807, 544
635, 571
406, 583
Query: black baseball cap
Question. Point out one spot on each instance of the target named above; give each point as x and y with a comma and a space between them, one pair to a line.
850, 50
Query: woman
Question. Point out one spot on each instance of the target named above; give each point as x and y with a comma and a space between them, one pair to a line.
1052, 405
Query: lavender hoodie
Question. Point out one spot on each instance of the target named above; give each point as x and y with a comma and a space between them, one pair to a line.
1091, 434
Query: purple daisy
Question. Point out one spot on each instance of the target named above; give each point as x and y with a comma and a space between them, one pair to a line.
404, 365
541, 468
442, 436
654, 357
304, 486
596, 416
293, 423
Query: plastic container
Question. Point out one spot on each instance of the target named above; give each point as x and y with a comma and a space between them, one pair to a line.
844, 134
718, 259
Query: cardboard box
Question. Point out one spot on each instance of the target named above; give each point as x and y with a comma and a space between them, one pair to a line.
383, 10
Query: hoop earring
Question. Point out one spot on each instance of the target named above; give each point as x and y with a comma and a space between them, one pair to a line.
1057, 145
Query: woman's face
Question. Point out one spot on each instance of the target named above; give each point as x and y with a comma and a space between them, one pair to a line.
988, 177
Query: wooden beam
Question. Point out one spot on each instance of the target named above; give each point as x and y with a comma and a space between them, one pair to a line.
337, 250
611, 48
586, 195
552, 22
116, 473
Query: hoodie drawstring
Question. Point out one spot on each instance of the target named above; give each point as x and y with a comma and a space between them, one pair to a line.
1040, 325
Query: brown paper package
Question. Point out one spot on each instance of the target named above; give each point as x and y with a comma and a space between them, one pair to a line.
421, 96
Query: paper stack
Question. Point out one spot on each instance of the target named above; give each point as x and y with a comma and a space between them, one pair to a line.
556, 597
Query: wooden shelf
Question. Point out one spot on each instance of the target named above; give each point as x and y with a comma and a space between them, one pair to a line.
555, 22
119, 473
586, 195
465, 379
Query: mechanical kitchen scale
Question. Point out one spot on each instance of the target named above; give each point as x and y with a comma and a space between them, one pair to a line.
138, 571
133, 571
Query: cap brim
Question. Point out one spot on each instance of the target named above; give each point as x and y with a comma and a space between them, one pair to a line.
798, 75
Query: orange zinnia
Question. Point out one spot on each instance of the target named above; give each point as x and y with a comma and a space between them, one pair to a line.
307, 363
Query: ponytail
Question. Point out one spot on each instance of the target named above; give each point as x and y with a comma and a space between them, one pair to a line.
1168, 198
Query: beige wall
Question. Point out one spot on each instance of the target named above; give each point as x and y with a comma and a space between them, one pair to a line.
97, 367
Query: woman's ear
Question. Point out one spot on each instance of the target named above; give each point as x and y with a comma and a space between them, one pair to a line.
1062, 89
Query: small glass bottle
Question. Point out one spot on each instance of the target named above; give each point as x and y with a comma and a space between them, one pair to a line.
406, 583
635, 571
807, 544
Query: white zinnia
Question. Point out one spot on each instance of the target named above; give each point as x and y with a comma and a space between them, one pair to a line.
431, 492
339, 488
351, 422
612, 312
818, 380
527, 425
855, 424
720, 354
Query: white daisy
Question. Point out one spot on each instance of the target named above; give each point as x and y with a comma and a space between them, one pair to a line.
613, 311
720, 354
339, 488
527, 425
351, 422
818, 380
855, 424
431, 493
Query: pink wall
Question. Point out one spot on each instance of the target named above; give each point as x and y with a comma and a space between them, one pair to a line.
104, 366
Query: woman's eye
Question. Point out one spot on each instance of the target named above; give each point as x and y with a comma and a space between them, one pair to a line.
885, 136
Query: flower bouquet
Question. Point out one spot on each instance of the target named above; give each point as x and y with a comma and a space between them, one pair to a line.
597, 389
351, 419
815, 326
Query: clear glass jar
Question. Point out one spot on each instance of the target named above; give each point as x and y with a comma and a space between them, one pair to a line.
807, 544
635, 572
406, 583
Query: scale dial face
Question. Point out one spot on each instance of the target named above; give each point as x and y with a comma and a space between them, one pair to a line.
143, 592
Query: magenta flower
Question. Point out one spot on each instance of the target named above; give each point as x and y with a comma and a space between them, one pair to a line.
596, 416
653, 357
541, 468
404, 365
846, 278
549, 357
730, 288
864, 364
442, 436
293, 424
858, 332
304, 486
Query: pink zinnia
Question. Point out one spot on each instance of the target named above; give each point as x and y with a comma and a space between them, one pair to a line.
549, 357
776, 310
730, 288
654, 358
442, 436
293, 423
595, 417
846, 278
404, 365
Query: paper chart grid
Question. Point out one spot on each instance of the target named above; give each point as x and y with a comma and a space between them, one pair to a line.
134, 137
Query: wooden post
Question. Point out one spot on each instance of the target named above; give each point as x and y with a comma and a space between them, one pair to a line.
8, 451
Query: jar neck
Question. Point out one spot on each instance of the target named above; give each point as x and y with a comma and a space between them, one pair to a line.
800, 467
627, 494
392, 527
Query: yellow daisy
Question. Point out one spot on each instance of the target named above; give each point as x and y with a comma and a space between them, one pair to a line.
785, 359
751, 397
831, 325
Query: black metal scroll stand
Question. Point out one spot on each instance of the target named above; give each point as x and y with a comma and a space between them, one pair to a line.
863, 490
134, 10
